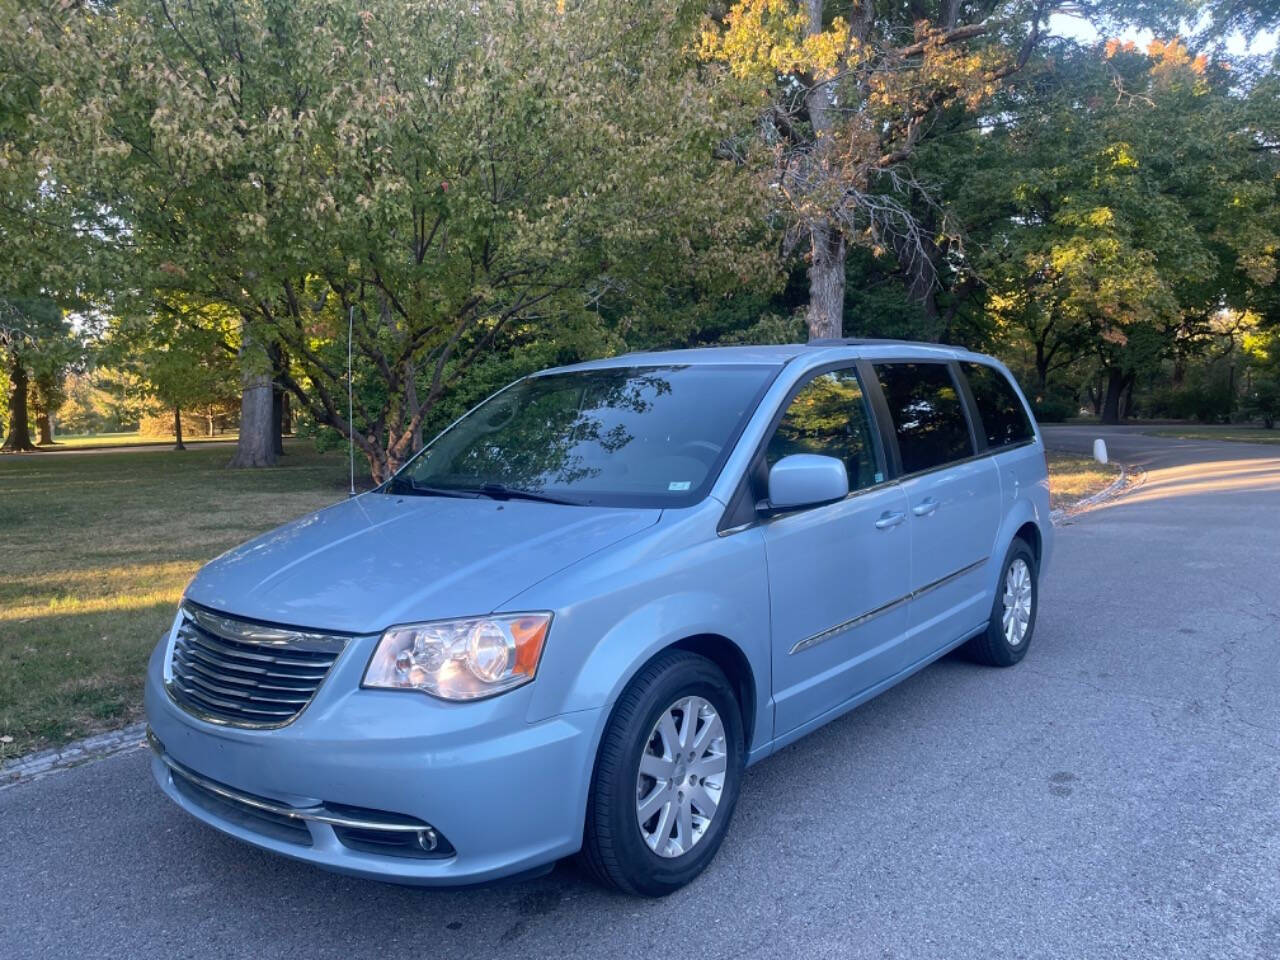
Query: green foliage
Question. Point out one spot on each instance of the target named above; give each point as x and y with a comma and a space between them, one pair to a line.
182, 354
1262, 356
98, 402
1207, 394
543, 172
1263, 401
1114, 202
1054, 406
878, 304
844, 96
564, 180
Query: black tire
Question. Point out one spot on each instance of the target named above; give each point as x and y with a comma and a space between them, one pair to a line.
991, 647
614, 851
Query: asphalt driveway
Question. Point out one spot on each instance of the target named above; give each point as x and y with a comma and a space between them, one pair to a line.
1117, 794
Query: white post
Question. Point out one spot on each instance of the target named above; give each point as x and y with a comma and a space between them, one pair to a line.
1100, 450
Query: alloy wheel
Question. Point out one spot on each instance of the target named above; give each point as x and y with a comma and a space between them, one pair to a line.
1017, 602
681, 776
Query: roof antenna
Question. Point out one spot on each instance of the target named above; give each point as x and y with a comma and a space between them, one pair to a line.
351, 420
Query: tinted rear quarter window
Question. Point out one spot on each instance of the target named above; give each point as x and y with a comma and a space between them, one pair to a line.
928, 416
1004, 418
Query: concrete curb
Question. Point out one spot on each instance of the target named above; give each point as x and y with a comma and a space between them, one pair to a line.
1061, 515
33, 766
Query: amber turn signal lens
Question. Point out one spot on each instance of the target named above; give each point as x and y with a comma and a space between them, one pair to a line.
529, 634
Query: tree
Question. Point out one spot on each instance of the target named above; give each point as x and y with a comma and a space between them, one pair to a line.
448, 178
47, 393
182, 352
33, 335
844, 106
1262, 397
1113, 204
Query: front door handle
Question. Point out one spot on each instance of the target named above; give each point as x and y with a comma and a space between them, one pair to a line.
890, 518
925, 507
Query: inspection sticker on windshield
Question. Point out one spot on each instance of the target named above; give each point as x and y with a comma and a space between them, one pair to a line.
679, 484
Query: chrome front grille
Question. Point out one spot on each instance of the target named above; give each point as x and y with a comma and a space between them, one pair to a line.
246, 674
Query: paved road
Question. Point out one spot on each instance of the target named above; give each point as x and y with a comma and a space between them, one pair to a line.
1117, 794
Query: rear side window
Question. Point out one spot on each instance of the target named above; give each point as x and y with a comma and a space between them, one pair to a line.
1004, 418
828, 416
928, 416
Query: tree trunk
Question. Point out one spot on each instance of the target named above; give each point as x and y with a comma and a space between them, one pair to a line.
286, 423
19, 429
277, 421
44, 420
255, 448
826, 282
1126, 406
413, 407
277, 399
177, 428
826, 241
1095, 397
1116, 381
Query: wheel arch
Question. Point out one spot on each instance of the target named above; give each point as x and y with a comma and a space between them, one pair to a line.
1021, 523
1031, 534
727, 655
733, 663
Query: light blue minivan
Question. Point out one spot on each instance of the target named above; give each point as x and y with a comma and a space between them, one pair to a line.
574, 619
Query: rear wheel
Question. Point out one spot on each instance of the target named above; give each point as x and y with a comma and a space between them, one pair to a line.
666, 779
1013, 614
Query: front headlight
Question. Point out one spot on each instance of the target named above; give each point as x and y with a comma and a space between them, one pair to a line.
460, 659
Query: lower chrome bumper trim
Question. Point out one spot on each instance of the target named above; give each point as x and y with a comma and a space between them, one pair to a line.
318, 814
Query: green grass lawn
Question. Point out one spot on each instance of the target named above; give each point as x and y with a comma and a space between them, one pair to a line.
96, 552
1236, 433
1072, 478
131, 439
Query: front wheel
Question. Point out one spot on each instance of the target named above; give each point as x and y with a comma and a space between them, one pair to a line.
1013, 614
666, 779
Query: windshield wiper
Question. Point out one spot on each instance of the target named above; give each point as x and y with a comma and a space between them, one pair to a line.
500, 491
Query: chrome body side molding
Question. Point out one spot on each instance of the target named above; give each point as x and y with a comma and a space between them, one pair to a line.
812, 641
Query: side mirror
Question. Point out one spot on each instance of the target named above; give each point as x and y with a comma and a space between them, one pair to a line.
806, 480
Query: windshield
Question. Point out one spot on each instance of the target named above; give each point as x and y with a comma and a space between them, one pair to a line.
619, 436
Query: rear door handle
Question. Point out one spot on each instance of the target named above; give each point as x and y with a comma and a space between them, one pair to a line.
890, 518
925, 507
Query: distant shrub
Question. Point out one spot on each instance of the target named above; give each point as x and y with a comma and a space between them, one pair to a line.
1263, 401
1054, 407
1206, 395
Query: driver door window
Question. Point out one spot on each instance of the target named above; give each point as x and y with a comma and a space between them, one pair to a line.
828, 416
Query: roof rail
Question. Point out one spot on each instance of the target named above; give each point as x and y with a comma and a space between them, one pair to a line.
861, 341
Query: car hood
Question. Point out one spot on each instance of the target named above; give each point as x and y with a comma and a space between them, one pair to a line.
377, 560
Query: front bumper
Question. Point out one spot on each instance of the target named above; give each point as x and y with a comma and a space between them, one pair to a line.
504, 795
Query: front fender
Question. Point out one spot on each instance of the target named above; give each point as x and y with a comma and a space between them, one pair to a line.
613, 615
649, 630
